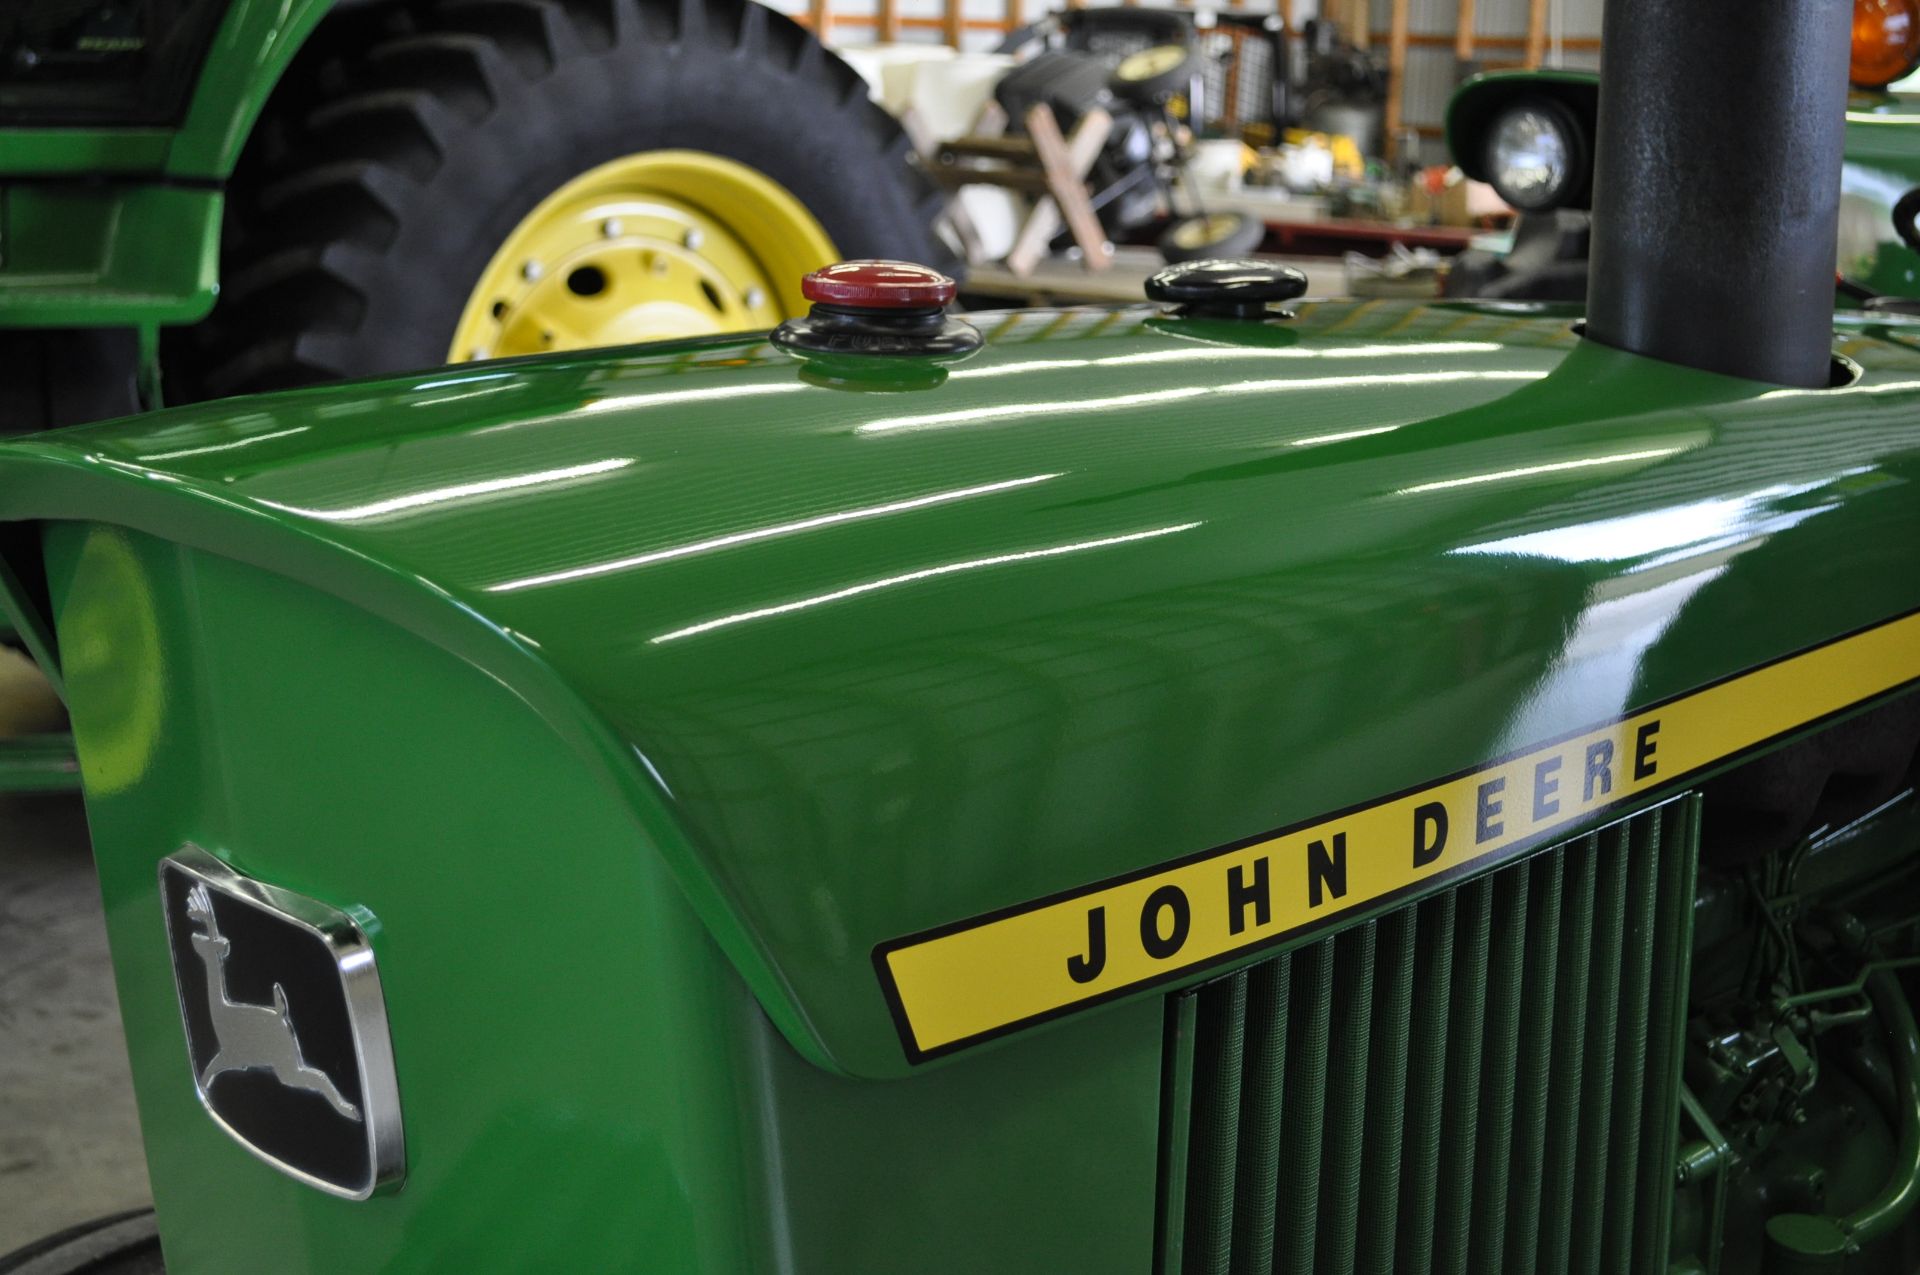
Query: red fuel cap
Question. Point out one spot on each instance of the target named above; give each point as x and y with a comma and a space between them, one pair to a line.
878, 307
878, 285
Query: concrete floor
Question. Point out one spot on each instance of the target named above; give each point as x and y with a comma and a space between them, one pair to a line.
69, 1136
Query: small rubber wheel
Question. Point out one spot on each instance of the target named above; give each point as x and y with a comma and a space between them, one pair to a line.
1153, 74
1214, 235
455, 179
123, 1244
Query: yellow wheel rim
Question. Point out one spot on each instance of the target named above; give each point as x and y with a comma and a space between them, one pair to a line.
655, 245
110, 643
1148, 63
1202, 231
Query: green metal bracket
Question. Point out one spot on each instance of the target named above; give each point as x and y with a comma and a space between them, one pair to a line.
38, 763
150, 387
33, 763
30, 624
84, 254
1706, 1161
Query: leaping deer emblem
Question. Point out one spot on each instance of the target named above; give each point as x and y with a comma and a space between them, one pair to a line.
251, 1037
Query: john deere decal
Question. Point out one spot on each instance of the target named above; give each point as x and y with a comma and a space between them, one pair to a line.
286, 1029
966, 982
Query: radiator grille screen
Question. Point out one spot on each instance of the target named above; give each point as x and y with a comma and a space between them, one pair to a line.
1237, 69
1483, 1081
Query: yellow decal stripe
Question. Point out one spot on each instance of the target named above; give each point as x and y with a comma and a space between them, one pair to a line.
962, 983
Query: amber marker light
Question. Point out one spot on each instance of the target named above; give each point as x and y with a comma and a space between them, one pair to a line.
1886, 42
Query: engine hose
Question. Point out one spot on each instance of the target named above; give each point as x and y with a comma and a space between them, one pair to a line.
1802, 1243
1903, 218
1884, 1213
1868, 1069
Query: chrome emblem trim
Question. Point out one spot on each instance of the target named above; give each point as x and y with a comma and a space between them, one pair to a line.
286, 1025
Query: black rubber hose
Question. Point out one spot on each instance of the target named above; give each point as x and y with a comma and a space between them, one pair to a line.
1811, 1244
1903, 215
1887, 1210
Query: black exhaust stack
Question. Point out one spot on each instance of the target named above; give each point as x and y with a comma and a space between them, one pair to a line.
1717, 183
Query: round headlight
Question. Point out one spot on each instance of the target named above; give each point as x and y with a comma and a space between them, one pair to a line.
1536, 155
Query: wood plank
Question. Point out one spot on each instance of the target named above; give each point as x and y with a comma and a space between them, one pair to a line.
1036, 232
1089, 135
954, 176
1463, 33
888, 21
1229, 108
952, 22
1428, 40
1019, 149
1536, 32
1396, 75
1066, 164
955, 214
820, 18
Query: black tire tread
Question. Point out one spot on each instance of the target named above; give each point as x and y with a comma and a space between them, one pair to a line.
526, 31
354, 133
314, 279
463, 71
406, 129
354, 200
121, 1244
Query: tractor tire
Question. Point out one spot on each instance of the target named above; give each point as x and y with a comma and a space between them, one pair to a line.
393, 163
124, 1244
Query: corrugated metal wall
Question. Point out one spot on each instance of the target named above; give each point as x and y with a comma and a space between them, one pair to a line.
1500, 34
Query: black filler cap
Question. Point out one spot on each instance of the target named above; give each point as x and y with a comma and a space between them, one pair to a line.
1238, 288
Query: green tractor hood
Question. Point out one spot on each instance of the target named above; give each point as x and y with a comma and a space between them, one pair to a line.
872, 650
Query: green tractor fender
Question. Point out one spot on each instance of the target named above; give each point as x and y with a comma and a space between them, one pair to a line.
251, 50
1480, 489
1198, 787
143, 250
852, 721
248, 49
338, 189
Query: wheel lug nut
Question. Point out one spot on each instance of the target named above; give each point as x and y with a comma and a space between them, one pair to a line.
693, 238
531, 271
610, 228
755, 298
